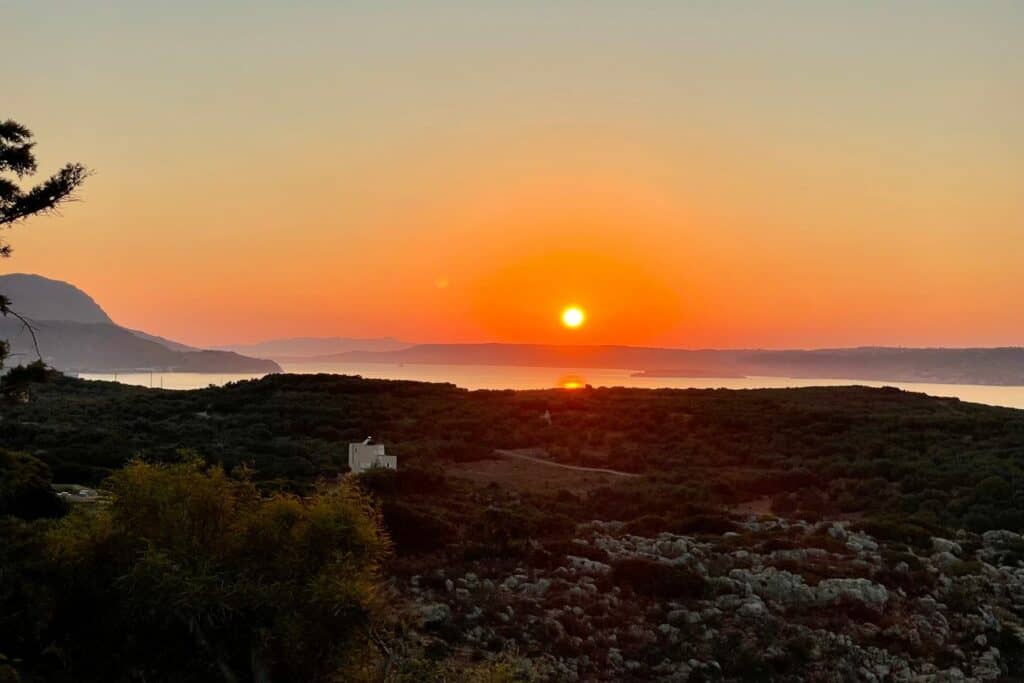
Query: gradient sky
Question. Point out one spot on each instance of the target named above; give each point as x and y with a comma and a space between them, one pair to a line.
696, 174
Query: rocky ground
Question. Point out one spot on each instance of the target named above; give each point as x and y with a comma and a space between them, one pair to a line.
775, 600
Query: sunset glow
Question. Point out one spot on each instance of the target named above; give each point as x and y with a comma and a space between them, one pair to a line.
571, 381
748, 182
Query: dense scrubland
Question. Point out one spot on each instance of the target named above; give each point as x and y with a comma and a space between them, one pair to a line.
877, 452
771, 534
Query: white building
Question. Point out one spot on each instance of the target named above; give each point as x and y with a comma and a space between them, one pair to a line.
365, 456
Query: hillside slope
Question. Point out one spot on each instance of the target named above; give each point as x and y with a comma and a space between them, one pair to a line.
97, 347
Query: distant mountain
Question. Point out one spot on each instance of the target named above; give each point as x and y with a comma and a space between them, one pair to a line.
993, 366
41, 298
297, 349
162, 341
97, 347
75, 334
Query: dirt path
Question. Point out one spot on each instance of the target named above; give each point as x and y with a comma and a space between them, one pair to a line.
522, 455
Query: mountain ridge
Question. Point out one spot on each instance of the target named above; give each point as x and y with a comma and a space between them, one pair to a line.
41, 298
294, 348
997, 366
75, 334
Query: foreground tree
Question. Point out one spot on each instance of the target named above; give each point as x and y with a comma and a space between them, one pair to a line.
16, 204
17, 158
188, 574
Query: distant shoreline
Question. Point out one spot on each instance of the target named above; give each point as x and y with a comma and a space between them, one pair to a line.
1003, 366
527, 378
650, 373
703, 374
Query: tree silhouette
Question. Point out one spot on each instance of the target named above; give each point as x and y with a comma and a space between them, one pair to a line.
16, 204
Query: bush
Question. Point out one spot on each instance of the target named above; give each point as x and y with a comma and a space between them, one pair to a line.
658, 580
898, 530
412, 481
706, 524
379, 481
559, 549
413, 530
648, 525
25, 489
224, 578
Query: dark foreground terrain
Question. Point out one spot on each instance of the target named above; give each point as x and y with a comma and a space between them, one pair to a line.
825, 534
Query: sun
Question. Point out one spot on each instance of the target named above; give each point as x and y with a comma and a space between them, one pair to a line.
573, 317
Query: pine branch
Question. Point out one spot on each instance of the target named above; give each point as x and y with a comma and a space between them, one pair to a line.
43, 198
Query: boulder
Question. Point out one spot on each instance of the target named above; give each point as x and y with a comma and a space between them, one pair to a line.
942, 545
998, 538
987, 667
753, 608
944, 560
587, 566
436, 613
832, 591
779, 586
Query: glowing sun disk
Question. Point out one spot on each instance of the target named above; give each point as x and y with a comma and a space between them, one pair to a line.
573, 316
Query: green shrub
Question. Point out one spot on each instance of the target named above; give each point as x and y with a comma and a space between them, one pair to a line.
415, 530
706, 524
25, 489
659, 580
222, 577
897, 530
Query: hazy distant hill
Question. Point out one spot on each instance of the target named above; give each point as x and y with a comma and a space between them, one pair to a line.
543, 355
996, 366
76, 334
298, 348
163, 341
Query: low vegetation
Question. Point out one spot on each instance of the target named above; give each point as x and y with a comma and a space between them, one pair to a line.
225, 532
830, 450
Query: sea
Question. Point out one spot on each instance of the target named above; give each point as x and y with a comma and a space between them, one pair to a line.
520, 377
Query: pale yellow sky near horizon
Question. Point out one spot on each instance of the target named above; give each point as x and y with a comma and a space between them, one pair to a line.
779, 174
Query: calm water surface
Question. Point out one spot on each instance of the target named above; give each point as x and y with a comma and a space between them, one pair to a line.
517, 377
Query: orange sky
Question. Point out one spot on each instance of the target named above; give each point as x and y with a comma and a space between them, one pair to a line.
818, 178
